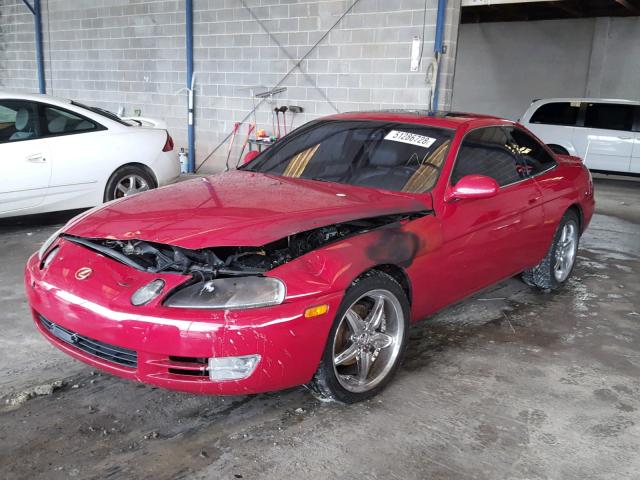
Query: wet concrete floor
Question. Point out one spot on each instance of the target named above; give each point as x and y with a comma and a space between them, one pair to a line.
511, 384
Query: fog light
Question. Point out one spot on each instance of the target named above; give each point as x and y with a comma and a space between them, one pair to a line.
232, 368
147, 293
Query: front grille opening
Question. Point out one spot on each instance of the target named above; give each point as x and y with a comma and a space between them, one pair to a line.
196, 360
191, 373
111, 353
194, 371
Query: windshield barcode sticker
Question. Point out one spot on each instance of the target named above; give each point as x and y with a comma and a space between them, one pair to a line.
410, 138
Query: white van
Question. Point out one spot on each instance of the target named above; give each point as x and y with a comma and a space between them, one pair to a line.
604, 133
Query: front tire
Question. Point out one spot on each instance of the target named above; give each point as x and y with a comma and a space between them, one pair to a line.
366, 342
127, 181
557, 265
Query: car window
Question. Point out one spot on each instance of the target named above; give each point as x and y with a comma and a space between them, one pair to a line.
557, 113
536, 157
101, 111
390, 156
18, 121
490, 152
609, 116
59, 121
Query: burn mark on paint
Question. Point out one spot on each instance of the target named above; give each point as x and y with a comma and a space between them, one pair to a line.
395, 246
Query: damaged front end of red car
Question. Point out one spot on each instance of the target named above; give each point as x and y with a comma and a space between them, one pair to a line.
220, 320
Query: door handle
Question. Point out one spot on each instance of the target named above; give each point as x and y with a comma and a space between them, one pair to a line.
36, 158
625, 138
533, 199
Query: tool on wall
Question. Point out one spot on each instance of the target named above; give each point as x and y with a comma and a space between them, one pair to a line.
236, 127
294, 109
283, 110
273, 121
250, 130
276, 112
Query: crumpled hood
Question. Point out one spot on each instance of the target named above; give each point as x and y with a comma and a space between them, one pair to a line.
238, 208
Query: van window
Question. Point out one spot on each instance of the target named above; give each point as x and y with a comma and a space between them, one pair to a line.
610, 116
559, 113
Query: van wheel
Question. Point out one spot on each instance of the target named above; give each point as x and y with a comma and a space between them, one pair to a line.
127, 181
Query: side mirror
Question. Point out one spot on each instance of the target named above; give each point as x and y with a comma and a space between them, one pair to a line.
250, 156
473, 186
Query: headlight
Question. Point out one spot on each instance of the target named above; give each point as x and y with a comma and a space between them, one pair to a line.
228, 293
45, 246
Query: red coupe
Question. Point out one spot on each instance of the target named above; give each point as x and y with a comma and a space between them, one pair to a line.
308, 264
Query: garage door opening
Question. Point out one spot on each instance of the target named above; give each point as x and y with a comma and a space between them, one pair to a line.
512, 52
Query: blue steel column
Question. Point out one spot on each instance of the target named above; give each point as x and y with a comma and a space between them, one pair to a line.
437, 48
190, 127
39, 54
37, 23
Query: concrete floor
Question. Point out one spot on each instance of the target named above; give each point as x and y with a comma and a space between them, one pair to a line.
510, 384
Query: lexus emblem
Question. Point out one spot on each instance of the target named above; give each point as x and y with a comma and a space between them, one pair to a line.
83, 273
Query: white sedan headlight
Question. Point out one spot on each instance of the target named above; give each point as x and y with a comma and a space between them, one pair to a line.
229, 293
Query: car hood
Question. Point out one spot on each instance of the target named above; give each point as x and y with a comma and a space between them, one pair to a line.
238, 208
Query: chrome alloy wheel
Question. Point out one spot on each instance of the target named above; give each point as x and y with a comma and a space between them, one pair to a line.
368, 340
566, 251
130, 185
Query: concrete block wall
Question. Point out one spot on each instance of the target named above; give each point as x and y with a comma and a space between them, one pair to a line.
131, 53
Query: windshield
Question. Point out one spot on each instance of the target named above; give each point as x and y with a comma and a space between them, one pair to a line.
103, 112
391, 156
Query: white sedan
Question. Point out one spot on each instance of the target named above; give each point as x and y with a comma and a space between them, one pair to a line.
58, 154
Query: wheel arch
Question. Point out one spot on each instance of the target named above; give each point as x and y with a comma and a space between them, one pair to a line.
578, 211
144, 167
396, 272
141, 166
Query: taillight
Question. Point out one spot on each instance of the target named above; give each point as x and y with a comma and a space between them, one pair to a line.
168, 145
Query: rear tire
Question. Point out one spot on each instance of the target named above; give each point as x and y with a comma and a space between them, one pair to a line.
128, 180
366, 342
557, 265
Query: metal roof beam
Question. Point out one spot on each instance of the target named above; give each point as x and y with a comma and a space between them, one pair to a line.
629, 6
33, 10
481, 3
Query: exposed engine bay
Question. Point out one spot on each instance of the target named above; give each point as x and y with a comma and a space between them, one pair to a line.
210, 263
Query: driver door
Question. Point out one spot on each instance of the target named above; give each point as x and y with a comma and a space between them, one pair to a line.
484, 239
24, 156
